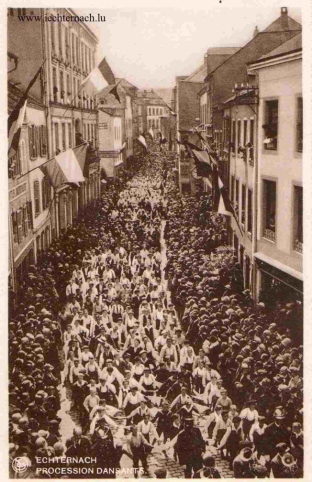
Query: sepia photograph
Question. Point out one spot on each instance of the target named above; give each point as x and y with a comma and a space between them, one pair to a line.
155, 242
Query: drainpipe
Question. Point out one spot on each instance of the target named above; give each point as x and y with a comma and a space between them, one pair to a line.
255, 197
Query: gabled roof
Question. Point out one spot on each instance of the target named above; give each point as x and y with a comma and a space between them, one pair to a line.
165, 94
199, 74
222, 50
283, 25
287, 47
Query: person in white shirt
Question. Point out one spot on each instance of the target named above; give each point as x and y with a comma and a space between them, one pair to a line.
249, 416
180, 400
132, 400
71, 288
169, 350
147, 428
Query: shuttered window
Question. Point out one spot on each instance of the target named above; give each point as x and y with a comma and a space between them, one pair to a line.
25, 220
37, 198
14, 226
19, 215
30, 215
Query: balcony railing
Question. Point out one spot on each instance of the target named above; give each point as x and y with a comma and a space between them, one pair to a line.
269, 234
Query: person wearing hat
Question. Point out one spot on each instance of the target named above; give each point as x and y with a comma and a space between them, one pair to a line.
147, 383
169, 350
208, 470
276, 433
242, 464
190, 446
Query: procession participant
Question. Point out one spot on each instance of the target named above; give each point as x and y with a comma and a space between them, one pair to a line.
137, 445
189, 447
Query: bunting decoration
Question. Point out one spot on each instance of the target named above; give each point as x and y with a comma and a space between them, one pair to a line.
67, 167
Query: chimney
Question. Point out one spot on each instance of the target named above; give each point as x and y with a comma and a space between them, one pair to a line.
256, 31
284, 18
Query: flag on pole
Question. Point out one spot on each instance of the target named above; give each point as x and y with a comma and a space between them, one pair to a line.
151, 132
223, 204
65, 168
142, 141
16, 118
99, 78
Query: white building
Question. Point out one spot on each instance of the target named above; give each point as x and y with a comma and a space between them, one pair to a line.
279, 228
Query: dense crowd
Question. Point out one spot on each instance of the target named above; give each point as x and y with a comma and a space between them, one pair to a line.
139, 310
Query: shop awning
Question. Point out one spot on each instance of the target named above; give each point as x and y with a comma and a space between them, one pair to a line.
289, 276
277, 264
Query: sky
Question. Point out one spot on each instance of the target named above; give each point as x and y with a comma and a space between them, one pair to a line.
150, 46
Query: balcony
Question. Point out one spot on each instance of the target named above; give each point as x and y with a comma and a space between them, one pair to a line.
269, 234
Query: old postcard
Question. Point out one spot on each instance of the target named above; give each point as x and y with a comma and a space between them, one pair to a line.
158, 218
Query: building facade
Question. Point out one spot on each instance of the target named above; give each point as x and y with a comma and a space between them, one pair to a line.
58, 117
279, 237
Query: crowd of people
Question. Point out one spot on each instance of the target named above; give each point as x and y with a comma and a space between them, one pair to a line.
139, 310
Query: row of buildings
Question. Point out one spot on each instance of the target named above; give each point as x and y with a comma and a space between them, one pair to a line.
59, 117
247, 102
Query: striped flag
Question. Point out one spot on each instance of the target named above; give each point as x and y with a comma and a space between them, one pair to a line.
151, 132
123, 147
16, 118
223, 204
99, 78
142, 141
64, 168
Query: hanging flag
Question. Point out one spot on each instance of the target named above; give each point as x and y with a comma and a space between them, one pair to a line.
99, 78
16, 118
115, 93
151, 132
142, 141
70, 166
222, 203
82, 158
65, 168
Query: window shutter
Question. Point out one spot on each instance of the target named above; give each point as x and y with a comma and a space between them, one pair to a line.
14, 226
30, 216
19, 226
25, 220
37, 197
30, 140
37, 135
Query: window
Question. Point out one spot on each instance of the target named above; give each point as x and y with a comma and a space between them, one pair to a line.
56, 137
59, 24
45, 186
14, 227
25, 221
73, 48
249, 220
239, 133
69, 135
55, 88
299, 125
37, 198
68, 87
52, 37
271, 125
251, 139
62, 85
298, 223
34, 141
64, 136
243, 208
236, 196
245, 132
19, 217
233, 140
269, 209
66, 34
